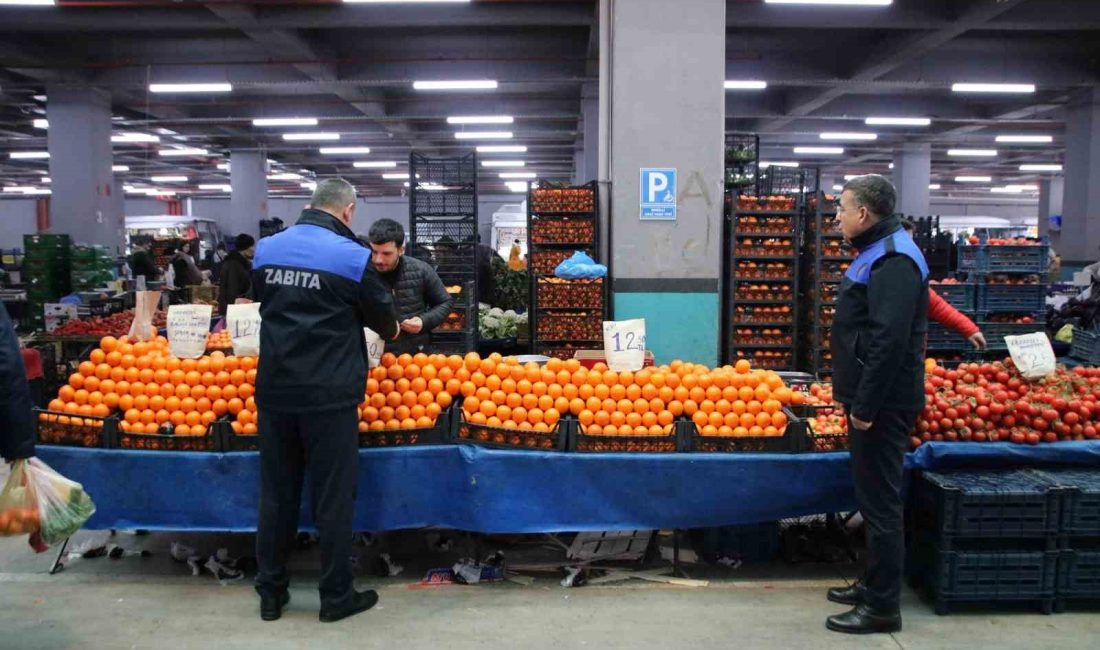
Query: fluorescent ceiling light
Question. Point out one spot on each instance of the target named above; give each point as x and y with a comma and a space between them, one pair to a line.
341, 151
186, 151
1023, 188
27, 3
119, 168
46, 179
823, 151
18, 188
934, 186
890, 166
483, 135
502, 148
777, 164
309, 185
159, 193
284, 121
368, 164
480, 119
744, 84
216, 186
516, 187
972, 152
191, 88
288, 176
393, 2
168, 179
1040, 168
39, 98
849, 136
469, 84
518, 175
164, 131
41, 124
223, 166
503, 163
973, 179
838, 188
992, 88
311, 136
37, 190
28, 155
1025, 138
134, 137
396, 176
833, 3
1005, 190
897, 121
849, 177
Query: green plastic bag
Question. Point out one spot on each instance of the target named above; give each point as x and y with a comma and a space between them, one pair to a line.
1065, 335
38, 501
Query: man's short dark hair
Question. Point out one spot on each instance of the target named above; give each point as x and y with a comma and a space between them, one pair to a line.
244, 241
908, 224
386, 230
873, 192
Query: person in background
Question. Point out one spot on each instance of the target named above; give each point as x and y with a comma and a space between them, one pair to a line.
943, 313
236, 276
878, 342
486, 283
515, 257
185, 271
421, 300
16, 417
141, 260
317, 291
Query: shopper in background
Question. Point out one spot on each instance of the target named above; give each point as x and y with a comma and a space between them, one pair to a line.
16, 418
185, 271
486, 283
141, 260
317, 291
943, 313
236, 275
878, 350
421, 300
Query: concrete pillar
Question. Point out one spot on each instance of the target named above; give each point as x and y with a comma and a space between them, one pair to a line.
1081, 203
590, 118
579, 172
83, 201
1050, 203
911, 174
668, 111
248, 198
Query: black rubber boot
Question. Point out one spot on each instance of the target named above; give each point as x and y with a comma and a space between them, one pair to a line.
851, 595
271, 605
361, 601
864, 620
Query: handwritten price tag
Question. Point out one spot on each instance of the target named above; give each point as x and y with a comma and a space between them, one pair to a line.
624, 344
188, 326
243, 324
375, 347
1032, 354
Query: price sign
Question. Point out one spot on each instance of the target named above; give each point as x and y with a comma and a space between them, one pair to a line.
624, 344
375, 347
243, 324
1032, 354
188, 326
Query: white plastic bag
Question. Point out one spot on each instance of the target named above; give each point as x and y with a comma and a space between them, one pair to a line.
1032, 354
375, 347
38, 500
624, 344
145, 306
188, 326
243, 322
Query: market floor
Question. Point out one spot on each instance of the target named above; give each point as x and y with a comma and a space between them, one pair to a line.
155, 603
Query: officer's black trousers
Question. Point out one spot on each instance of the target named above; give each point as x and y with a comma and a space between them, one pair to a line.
877, 456
325, 445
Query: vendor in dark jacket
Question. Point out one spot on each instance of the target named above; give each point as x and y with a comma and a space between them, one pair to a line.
421, 300
16, 419
236, 272
878, 354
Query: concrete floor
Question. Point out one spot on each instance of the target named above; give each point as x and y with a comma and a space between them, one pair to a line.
156, 603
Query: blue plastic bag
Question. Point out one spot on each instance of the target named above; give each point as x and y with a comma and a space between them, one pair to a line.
579, 267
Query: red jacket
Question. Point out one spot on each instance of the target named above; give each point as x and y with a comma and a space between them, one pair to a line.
943, 313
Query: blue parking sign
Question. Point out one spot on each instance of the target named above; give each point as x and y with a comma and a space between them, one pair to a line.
657, 193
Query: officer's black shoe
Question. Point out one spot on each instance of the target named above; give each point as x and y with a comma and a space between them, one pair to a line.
271, 605
851, 595
361, 601
864, 620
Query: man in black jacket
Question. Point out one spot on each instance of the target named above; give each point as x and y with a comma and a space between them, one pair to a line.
16, 418
878, 377
236, 272
421, 300
317, 291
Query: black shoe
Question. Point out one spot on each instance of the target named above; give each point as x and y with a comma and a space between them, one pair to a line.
361, 601
852, 595
864, 620
271, 605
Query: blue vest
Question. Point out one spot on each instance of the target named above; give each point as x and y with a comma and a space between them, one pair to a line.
899, 242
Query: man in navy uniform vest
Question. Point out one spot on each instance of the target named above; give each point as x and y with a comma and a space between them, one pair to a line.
878, 354
317, 291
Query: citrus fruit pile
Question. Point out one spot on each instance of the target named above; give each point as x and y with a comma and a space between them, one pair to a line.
219, 340
409, 392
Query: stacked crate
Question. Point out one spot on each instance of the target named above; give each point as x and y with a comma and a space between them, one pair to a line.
961, 296
91, 267
1079, 560
46, 274
826, 258
1010, 296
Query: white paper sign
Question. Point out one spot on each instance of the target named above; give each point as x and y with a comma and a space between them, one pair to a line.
1032, 354
145, 306
375, 347
188, 326
624, 344
243, 324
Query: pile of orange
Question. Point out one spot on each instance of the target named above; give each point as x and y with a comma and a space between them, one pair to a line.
737, 401
409, 392
219, 340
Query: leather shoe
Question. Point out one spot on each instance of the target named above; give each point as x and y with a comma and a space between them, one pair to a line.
271, 605
864, 620
851, 595
361, 601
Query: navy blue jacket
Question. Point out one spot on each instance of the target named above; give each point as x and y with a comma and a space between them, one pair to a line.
317, 291
16, 418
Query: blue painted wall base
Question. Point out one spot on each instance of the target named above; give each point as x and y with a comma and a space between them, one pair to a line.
678, 325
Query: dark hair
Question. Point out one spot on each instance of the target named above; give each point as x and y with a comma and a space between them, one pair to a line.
908, 224
873, 192
244, 241
386, 230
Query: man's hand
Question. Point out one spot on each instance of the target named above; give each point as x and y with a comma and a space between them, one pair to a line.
859, 424
242, 301
977, 340
412, 325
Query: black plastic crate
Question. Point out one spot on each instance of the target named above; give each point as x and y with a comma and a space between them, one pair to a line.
814, 442
613, 443
233, 441
437, 434
1003, 259
209, 441
1080, 512
68, 430
942, 338
787, 443
1086, 345
1078, 577
1013, 503
106, 306
1016, 298
557, 439
995, 332
961, 296
951, 577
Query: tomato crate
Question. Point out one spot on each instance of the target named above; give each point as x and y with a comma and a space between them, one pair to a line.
1080, 514
788, 442
209, 441
995, 333
557, 439
669, 442
820, 441
1018, 298
941, 338
555, 293
1003, 259
988, 504
570, 325
563, 230
544, 262
1078, 577
961, 296
437, 434
68, 430
1086, 345
951, 577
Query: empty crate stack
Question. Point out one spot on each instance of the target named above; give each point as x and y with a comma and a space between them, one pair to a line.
742, 162
47, 272
1008, 274
566, 315
443, 232
92, 267
962, 296
826, 260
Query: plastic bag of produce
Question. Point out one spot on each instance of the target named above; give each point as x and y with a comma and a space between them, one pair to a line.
18, 506
580, 266
243, 322
145, 306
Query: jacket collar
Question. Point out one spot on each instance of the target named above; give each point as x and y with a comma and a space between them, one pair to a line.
314, 217
881, 230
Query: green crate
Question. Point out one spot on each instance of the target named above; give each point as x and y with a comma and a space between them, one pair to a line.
40, 241
60, 255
